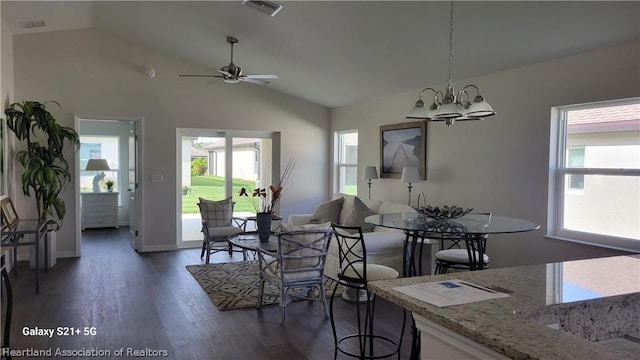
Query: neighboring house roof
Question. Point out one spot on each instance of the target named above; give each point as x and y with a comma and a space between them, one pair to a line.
237, 142
608, 114
195, 152
605, 119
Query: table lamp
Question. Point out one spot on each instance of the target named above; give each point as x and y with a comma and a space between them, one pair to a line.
99, 165
368, 173
410, 175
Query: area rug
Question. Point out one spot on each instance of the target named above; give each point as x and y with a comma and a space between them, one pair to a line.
235, 285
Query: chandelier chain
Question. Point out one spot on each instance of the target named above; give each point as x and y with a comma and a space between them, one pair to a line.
449, 106
451, 42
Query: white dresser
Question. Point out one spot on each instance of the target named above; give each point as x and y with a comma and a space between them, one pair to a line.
99, 210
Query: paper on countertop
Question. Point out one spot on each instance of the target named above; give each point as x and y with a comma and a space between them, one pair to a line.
449, 292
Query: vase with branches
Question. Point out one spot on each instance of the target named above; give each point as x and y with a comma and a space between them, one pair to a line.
269, 197
267, 200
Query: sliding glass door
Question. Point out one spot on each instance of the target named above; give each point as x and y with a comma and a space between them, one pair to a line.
215, 165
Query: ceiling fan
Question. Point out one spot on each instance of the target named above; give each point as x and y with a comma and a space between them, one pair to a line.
232, 74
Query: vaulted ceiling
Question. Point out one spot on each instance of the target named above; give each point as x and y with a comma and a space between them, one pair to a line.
335, 53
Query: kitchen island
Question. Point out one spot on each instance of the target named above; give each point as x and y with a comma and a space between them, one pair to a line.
583, 309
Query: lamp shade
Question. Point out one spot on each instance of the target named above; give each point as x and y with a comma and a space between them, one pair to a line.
97, 164
447, 111
370, 172
410, 175
419, 111
480, 109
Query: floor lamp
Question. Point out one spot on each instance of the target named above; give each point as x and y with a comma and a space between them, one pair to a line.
98, 165
368, 173
410, 175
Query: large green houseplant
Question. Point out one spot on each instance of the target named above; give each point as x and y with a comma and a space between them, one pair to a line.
46, 170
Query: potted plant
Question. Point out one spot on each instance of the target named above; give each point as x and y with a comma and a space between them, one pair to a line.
46, 172
186, 190
109, 184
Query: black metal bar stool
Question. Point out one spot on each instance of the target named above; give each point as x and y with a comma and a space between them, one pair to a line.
354, 273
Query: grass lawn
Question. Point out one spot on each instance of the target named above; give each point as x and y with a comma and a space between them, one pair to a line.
212, 188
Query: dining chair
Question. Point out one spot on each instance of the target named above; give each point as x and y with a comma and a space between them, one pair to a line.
297, 268
467, 258
217, 226
355, 272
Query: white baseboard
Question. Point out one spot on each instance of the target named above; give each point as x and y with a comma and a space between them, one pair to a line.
156, 248
65, 254
59, 255
23, 257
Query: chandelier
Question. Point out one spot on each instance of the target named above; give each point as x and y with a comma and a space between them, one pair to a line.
451, 106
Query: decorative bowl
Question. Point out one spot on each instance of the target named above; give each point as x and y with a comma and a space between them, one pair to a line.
446, 212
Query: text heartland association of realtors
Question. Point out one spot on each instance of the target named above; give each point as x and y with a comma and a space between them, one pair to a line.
84, 352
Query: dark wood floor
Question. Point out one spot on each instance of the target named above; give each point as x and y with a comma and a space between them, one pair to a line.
150, 302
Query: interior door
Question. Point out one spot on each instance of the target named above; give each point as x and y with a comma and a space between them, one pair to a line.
133, 184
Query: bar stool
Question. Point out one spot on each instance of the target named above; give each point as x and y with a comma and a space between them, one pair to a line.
354, 273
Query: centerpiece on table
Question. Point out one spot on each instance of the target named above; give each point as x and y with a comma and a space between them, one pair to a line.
446, 212
268, 198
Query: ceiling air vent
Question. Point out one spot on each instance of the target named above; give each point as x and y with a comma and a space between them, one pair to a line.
268, 7
31, 24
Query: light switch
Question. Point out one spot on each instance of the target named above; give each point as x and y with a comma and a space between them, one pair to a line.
157, 178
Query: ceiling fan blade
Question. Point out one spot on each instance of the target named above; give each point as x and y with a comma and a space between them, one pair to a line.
261, 76
194, 75
225, 73
254, 81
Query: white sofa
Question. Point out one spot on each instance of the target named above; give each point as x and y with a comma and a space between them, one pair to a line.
384, 245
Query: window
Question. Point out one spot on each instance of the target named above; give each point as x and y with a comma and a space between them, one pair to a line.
347, 162
99, 147
594, 182
576, 159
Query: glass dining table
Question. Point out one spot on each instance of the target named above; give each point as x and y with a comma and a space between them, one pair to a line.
473, 229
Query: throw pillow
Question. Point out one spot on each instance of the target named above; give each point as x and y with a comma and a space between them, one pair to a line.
216, 213
327, 212
358, 213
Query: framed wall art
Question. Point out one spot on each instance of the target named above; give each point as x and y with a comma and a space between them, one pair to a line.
9, 215
403, 145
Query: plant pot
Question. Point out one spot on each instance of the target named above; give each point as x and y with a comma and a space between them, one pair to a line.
109, 189
263, 223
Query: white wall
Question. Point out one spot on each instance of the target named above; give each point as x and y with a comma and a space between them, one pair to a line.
6, 96
6, 93
500, 164
90, 72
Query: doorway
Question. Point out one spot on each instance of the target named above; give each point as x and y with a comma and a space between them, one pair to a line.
215, 165
115, 143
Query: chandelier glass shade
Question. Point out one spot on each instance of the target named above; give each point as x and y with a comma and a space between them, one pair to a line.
451, 106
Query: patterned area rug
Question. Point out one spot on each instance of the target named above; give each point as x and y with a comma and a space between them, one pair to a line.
235, 285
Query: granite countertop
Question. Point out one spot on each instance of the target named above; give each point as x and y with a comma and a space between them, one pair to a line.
539, 295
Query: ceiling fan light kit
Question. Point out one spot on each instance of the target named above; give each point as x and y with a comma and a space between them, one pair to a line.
451, 106
232, 74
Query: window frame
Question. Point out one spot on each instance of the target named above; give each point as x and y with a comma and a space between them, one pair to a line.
558, 187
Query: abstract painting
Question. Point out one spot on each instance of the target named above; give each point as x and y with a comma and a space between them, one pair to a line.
403, 145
